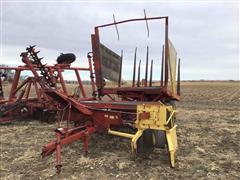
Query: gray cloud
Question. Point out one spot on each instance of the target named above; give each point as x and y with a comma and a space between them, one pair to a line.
204, 34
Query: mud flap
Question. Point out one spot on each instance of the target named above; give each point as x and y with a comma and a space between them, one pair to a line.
172, 144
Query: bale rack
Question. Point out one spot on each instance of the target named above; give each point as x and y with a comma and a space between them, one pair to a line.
147, 107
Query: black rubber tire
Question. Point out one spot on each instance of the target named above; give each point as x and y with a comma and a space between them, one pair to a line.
171, 103
145, 144
66, 58
160, 138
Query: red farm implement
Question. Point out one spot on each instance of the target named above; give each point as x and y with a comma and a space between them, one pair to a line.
146, 107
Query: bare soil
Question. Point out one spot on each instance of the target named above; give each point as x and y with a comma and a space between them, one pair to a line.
208, 136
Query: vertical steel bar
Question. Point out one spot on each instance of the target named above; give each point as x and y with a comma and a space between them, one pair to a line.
178, 79
139, 73
58, 143
146, 71
69, 115
97, 60
151, 73
85, 143
134, 67
58, 152
120, 73
91, 73
162, 66
166, 52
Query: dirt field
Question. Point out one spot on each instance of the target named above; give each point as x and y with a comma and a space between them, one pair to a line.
208, 135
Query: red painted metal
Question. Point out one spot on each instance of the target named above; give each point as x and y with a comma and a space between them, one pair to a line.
144, 115
133, 93
14, 84
162, 67
64, 88
65, 140
41, 99
90, 113
131, 20
80, 84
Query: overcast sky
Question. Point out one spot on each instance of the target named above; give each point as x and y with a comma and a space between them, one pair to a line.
205, 35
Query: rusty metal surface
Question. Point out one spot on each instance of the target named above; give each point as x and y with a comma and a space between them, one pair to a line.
172, 66
90, 113
110, 64
103, 72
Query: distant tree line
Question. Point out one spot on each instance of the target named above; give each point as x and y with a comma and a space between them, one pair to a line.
7, 74
85, 82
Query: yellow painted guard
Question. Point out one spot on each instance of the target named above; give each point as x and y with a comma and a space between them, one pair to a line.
155, 116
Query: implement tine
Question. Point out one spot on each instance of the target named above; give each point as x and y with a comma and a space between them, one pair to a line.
139, 73
146, 71
134, 67
151, 72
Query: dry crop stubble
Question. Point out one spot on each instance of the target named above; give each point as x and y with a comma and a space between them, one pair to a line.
208, 135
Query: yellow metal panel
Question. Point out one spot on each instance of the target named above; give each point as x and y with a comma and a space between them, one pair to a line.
172, 139
172, 144
157, 119
155, 115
